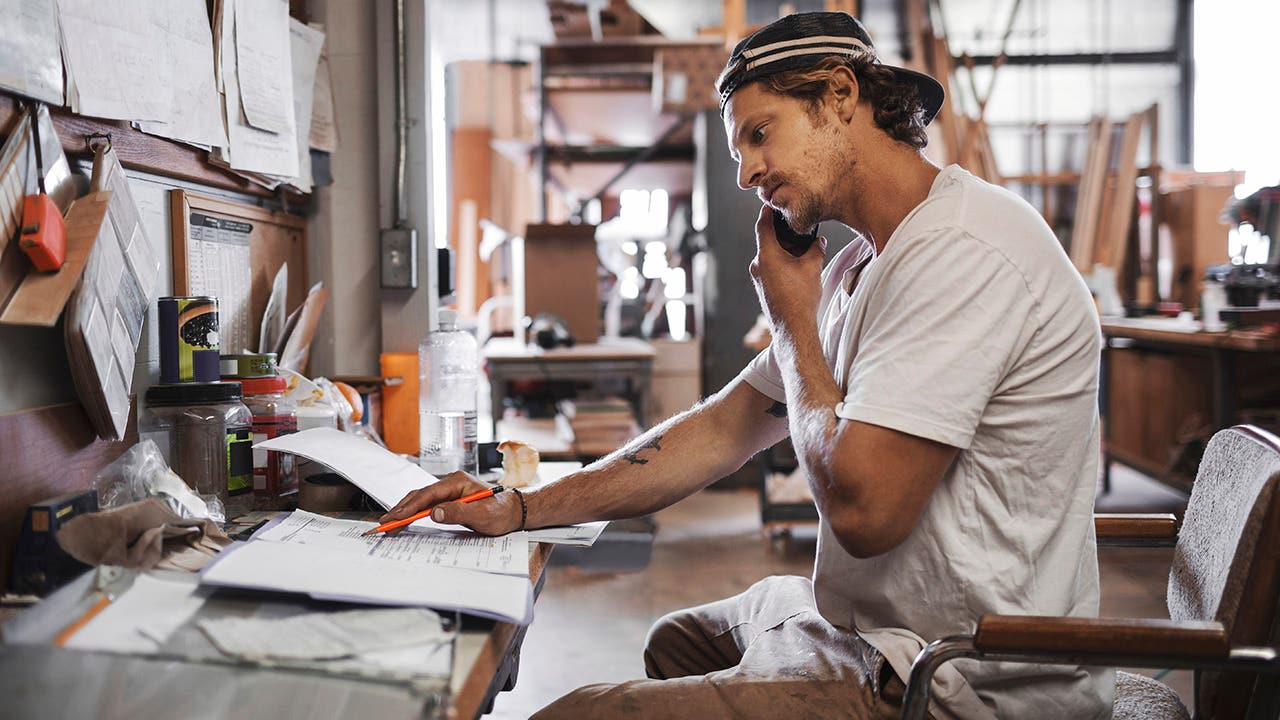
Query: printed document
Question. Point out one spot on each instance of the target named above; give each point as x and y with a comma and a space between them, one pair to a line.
507, 555
327, 575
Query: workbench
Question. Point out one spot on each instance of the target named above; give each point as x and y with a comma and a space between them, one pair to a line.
1162, 387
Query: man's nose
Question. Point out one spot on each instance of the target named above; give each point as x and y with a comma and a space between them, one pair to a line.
750, 171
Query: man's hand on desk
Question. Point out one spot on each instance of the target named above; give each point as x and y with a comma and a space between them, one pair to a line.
497, 515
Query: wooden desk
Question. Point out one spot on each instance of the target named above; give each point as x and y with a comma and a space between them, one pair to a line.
57, 681
628, 358
486, 661
1158, 384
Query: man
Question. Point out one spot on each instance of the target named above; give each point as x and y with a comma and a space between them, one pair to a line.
939, 383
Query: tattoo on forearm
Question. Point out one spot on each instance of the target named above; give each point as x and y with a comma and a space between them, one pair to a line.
778, 410
633, 456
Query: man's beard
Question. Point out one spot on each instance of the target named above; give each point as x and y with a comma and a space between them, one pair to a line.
804, 211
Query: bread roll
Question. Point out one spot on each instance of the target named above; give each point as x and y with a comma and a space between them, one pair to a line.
519, 463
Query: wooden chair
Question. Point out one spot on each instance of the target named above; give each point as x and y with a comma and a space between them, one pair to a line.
1224, 586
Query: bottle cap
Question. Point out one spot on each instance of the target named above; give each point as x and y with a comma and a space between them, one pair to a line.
264, 385
447, 316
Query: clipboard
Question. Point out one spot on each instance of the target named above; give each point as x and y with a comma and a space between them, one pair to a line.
231, 251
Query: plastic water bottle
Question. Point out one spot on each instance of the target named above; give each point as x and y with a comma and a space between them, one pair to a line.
448, 374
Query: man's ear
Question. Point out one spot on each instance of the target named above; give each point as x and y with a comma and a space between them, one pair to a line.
843, 92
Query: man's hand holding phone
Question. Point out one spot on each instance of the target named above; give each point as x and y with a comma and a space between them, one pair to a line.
788, 283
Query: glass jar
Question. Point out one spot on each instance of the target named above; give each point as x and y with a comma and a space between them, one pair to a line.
274, 473
205, 431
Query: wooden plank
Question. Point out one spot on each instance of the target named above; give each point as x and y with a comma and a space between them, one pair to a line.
475, 670
41, 296
1089, 197
140, 151
472, 180
1113, 238
47, 452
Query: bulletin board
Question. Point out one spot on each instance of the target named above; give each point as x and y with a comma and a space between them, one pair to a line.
232, 251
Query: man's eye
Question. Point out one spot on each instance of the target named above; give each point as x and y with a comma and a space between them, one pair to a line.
757, 135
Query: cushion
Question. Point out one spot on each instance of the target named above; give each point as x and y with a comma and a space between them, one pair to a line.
1139, 697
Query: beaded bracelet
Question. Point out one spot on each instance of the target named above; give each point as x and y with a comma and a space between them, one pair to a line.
524, 509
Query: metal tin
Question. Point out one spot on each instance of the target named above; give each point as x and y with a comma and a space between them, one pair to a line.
249, 365
188, 339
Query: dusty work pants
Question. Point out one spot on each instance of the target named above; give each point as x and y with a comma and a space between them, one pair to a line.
763, 654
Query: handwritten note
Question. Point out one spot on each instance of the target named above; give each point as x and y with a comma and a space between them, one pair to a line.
118, 69
262, 49
30, 61
195, 107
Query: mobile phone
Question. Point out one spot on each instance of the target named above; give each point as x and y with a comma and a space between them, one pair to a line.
790, 240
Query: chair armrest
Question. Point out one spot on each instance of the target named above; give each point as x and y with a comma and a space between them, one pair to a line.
1135, 529
1102, 638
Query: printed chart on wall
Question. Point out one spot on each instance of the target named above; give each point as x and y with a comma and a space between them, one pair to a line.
232, 251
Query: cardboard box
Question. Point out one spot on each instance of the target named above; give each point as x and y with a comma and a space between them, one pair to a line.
684, 78
1198, 239
561, 277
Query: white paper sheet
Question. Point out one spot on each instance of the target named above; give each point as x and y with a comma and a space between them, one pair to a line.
324, 636
30, 60
250, 149
196, 106
273, 318
508, 554
116, 55
142, 618
262, 51
584, 535
324, 131
305, 44
328, 575
384, 475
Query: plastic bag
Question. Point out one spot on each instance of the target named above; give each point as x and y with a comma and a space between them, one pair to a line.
140, 473
335, 398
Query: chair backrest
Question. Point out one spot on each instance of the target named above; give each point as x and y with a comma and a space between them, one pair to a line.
1226, 566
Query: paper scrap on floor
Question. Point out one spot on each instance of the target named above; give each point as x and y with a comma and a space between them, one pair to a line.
350, 577
508, 554
143, 618
384, 475
324, 636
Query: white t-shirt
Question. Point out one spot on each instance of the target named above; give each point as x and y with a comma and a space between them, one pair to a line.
974, 330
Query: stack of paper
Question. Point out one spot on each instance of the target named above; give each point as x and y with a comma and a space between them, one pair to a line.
388, 477
331, 559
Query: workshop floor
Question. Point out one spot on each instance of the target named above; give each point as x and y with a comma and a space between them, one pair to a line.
590, 626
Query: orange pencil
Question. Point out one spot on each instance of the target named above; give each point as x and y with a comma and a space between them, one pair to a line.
65, 636
425, 513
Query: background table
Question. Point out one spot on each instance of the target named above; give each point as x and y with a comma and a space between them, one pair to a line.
627, 358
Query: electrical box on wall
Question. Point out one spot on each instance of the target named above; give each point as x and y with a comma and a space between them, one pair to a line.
399, 258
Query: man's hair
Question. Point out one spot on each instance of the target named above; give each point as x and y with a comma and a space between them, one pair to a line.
896, 105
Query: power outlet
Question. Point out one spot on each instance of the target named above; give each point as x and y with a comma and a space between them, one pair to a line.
399, 258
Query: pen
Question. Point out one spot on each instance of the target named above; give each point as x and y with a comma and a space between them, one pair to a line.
425, 513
